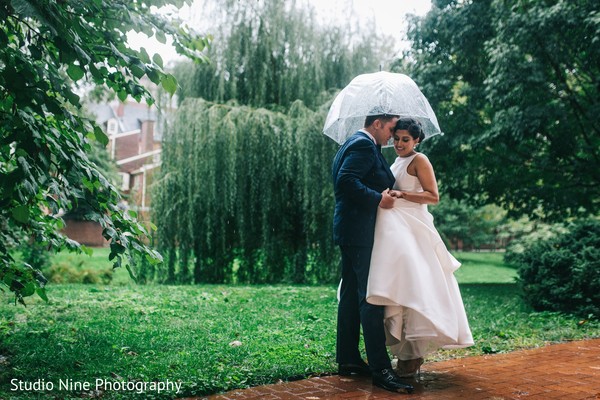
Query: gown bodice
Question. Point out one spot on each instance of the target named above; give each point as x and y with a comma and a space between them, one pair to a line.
404, 180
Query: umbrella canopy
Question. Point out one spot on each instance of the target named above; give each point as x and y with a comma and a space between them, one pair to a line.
378, 93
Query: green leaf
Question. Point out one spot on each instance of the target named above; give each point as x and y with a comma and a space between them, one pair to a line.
169, 83
100, 136
72, 97
199, 44
160, 36
42, 293
157, 60
122, 95
75, 72
29, 289
153, 75
89, 185
144, 56
21, 214
131, 273
137, 71
96, 73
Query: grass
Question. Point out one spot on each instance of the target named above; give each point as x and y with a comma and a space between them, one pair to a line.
183, 333
484, 267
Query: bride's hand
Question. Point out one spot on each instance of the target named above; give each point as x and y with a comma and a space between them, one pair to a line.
387, 200
397, 194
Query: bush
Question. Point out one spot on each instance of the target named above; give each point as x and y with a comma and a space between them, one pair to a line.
75, 273
526, 234
562, 273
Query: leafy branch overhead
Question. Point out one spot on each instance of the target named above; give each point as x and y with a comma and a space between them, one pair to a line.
516, 91
46, 49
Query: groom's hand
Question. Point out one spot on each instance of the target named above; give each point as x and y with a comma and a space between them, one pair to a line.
387, 200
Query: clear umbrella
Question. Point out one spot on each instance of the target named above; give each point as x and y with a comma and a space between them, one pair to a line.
378, 93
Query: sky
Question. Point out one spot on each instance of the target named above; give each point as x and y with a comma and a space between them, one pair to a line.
389, 16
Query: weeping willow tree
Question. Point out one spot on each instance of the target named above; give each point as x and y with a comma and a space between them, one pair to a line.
246, 193
270, 53
245, 196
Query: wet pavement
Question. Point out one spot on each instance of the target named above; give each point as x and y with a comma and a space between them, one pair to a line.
567, 371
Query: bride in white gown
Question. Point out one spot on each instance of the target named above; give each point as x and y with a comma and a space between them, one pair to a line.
411, 270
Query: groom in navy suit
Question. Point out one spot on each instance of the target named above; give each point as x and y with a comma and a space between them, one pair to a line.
362, 180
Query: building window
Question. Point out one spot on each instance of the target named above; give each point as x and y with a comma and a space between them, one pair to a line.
112, 126
136, 182
125, 181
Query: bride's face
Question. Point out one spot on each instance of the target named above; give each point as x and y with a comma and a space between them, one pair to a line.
404, 144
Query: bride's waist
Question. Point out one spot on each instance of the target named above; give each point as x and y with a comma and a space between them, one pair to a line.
403, 203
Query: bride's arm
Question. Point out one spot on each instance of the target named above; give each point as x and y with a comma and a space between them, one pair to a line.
426, 176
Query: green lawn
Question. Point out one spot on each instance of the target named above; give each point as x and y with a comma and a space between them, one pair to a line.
484, 267
477, 267
183, 333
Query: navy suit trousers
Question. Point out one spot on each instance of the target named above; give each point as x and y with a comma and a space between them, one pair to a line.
354, 311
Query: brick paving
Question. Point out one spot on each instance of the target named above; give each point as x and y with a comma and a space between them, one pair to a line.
567, 371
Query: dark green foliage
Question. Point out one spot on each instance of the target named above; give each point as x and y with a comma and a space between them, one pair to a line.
46, 49
515, 88
107, 167
563, 273
246, 196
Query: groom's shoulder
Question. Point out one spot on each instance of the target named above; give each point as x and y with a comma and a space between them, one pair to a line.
359, 139
357, 143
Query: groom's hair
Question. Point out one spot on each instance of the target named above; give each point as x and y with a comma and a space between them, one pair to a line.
383, 117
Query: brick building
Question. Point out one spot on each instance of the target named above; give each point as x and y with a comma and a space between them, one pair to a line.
135, 146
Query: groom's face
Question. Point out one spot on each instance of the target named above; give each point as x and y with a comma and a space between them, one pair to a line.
384, 129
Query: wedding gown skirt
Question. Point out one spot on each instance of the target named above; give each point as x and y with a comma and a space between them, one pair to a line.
411, 275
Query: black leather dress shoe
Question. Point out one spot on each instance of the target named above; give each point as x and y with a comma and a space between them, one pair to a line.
388, 380
361, 368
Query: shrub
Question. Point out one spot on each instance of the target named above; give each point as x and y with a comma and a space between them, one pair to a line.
528, 234
75, 273
562, 273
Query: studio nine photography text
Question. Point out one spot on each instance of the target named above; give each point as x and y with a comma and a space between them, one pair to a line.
41, 385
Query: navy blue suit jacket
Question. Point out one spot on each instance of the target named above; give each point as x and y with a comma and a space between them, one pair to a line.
360, 174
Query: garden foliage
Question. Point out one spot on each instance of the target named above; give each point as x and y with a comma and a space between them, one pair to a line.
515, 88
562, 273
46, 49
245, 196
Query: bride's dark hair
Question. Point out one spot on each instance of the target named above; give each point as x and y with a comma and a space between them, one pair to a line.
414, 128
